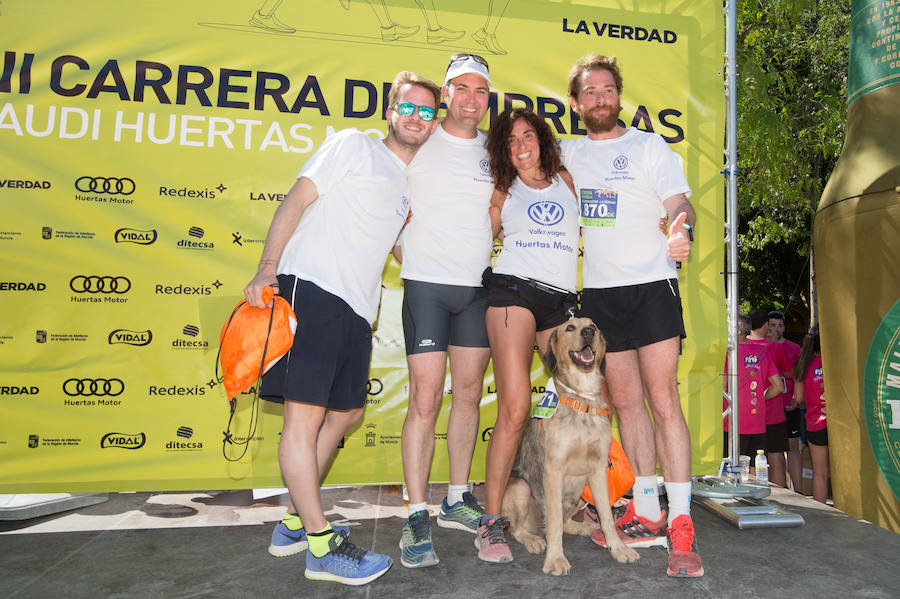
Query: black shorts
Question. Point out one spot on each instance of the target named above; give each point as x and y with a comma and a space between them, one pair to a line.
549, 307
794, 417
819, 437
635, 315
747, 445
436, 316
776, 437
328, 364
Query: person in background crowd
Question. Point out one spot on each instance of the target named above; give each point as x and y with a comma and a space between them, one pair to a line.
758, 382
793, 415
530, 292
776, 425
810, 391
324, 252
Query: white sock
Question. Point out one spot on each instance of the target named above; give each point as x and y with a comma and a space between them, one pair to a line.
679, 495
417, 507
646, 497
455, 493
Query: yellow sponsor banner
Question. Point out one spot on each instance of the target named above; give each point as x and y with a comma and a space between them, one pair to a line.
145, 148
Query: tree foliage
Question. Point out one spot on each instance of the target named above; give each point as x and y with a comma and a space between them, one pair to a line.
792, 84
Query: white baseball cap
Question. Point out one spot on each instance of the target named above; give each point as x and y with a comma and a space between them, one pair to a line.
462, 64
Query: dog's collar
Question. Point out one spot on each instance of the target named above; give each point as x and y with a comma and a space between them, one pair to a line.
580, 407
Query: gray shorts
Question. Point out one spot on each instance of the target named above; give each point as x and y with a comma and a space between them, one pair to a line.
436, 316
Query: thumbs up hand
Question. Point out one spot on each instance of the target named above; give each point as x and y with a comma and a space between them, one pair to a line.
678, 246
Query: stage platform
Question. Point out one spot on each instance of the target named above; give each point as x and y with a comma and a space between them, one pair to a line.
213, 544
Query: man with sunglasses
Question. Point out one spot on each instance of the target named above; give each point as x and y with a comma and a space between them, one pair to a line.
325, 252
445, 247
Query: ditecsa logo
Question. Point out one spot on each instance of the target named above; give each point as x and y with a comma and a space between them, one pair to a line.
184, 442
195, 244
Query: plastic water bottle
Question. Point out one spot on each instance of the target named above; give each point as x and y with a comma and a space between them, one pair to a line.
762, 468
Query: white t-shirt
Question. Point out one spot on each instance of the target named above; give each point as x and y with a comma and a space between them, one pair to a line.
344, 236
621, 185
448, 239
540, 234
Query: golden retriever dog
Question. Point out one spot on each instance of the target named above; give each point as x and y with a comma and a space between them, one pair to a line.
560, 454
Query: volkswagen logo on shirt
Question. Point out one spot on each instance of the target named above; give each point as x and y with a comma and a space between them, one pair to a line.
93, 387
115, 185
99, 284
546, 213
485, 165
621, 162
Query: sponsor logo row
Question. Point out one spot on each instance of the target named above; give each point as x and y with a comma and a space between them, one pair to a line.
100, 389
110, 288
182, 440
119, 189
193, 238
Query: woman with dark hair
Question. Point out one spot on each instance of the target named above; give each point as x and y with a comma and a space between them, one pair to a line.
809, 389
530, 291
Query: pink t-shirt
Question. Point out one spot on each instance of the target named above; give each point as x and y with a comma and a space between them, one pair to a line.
814, 394
776, 355
754, 369
791, 351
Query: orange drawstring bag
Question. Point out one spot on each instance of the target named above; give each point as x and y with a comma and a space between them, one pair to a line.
619, 477
253, 340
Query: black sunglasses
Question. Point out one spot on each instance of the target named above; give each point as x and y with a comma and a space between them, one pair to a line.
464, 57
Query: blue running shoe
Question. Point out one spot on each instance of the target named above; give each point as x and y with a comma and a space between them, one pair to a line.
462, 515
346, 563
287, 542
416, 550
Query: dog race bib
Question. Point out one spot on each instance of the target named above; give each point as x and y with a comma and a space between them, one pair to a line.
546, 407
598, 207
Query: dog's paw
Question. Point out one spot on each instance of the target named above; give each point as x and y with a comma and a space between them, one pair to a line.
624, 554
535, 544
557, 566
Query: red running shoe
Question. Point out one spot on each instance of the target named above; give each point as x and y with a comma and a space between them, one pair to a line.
634, 530
684, 561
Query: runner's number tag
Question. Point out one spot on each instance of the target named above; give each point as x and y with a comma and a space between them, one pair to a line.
598, 207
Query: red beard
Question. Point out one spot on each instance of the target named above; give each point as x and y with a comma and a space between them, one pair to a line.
602, 124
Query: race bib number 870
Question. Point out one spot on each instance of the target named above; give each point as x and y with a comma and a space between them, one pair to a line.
598, 207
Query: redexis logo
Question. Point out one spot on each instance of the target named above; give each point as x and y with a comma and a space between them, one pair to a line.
123, 440
127, 337
138, 236
546, 213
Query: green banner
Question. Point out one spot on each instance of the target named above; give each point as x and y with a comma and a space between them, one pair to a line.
874, 47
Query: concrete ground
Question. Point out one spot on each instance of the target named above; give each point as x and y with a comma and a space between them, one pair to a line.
213, 544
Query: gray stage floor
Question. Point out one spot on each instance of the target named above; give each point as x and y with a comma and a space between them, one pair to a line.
213, 544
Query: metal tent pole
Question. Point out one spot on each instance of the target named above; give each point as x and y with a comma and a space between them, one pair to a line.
742, 504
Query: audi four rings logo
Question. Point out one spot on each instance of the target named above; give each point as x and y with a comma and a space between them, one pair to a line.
95, 387
374, 386
99, 284
546, 213
115, 185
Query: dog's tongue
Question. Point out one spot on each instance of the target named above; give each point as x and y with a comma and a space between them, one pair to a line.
586, 355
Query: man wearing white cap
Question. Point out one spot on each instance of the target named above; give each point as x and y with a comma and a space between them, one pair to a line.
445, 248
